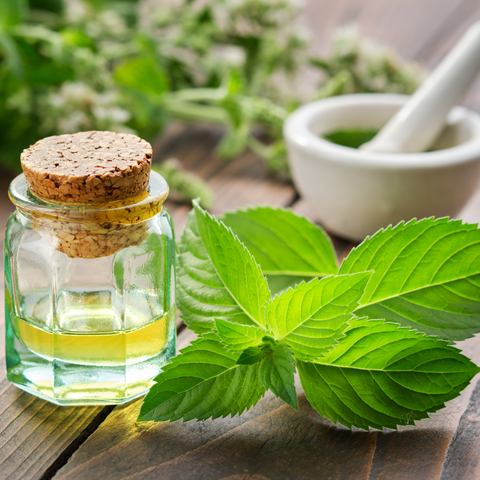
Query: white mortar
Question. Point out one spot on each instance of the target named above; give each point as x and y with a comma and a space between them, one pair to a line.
355, 193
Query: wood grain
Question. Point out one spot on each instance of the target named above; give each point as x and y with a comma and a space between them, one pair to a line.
33, 433
120, 448
235, 183
463, 455
282, 444
33, 428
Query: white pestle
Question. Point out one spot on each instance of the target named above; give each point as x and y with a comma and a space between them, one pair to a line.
417, 125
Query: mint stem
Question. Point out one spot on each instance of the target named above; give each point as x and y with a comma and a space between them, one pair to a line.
194, 111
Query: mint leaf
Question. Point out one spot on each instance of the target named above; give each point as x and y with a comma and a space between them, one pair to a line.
238, 337
204, 381
251, 355
311, 317
288, 247
426, 276
383, 375
217, 276
276, 373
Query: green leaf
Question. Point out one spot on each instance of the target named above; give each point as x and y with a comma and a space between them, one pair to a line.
251, 355
383, 375
143, 75
311, 317
238, 337
288, 247
12, 12
426, 276
217, 276
276, 373
204, 381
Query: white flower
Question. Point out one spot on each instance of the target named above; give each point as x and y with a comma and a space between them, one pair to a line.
120, 115
77, 92
56, 100
75, 11
113, 23
229, 54
76, 106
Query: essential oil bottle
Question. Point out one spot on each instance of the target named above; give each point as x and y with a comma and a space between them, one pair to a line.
89, 270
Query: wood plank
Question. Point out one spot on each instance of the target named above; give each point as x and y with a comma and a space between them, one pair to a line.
242, 181
462, 461
235, 183
471, 211
404, 25
410, 27
456, 24
282, 444
120, 448
451, 28
34, 433
218, 453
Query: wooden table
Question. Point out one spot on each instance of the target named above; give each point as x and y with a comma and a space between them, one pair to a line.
39, 440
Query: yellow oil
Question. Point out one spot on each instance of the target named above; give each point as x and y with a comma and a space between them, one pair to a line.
100, 348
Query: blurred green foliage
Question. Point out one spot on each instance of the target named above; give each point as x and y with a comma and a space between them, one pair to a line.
70, 65
360, 65
133, 65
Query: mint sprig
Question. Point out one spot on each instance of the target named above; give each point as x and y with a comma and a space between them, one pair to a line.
375, 371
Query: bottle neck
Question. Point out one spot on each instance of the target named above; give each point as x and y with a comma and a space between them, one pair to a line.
127, 211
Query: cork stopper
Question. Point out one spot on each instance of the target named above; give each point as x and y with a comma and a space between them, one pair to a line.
88, 167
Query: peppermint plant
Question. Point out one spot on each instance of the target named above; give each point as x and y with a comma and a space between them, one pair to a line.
371, 341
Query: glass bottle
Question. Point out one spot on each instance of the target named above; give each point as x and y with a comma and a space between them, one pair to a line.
89, 295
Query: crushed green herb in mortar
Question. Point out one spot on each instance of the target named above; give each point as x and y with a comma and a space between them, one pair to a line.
352, 138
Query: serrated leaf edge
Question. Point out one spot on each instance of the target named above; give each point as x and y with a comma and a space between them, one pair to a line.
245, 249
